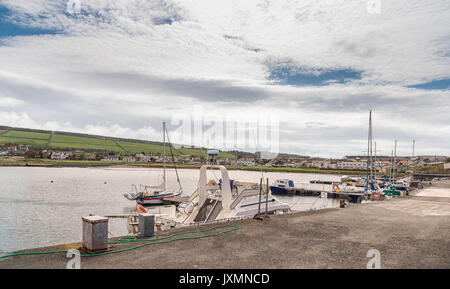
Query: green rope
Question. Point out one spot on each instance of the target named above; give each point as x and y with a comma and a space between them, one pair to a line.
123, 240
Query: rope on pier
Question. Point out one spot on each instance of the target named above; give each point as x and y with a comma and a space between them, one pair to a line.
151, 241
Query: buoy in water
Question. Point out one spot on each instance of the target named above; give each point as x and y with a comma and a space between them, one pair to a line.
140, 208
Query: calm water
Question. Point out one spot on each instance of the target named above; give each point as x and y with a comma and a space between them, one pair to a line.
35, 212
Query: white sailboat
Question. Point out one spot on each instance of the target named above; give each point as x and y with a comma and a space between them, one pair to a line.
155, 195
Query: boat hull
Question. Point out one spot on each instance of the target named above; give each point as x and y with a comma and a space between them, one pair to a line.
278, 190
156, 200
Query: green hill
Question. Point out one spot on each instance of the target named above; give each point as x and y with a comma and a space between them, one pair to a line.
73, 141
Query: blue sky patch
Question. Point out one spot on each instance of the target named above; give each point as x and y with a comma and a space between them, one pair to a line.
9, 29
435, 84
162, 21
287, 75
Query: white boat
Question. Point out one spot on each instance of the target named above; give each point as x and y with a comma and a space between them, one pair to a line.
149, 195
281, 185
155, 195
225, 199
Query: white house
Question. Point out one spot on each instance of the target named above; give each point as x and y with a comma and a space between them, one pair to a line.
111, 158
245, 163
129, 159
351, 165
60, 155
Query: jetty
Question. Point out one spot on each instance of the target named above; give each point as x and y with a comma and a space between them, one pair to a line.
325, 191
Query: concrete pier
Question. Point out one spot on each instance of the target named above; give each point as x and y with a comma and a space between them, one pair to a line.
410, 232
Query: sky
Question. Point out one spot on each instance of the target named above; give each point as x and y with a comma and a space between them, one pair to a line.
316, 68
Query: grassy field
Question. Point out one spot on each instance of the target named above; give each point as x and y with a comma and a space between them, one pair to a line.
83, 143
68, 142
23, 137
158, 149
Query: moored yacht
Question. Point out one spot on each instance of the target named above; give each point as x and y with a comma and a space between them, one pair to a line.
213, 201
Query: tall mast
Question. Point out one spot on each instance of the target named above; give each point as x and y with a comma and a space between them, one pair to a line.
392, 166
164, 154
395, 155
375, 159
371, 143
173, 160
368, 153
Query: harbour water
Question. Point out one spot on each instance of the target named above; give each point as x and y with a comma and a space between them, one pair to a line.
43, 206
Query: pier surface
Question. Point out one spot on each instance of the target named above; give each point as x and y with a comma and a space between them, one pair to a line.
410, 232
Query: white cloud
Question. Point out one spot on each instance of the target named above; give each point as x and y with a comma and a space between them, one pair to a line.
117, 69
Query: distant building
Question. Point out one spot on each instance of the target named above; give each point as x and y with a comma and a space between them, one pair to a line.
245, 162
351, 165
129, 159
112, 157
60, 155
144, 158
323, 164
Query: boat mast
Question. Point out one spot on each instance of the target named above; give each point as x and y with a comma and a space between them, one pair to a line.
371, 143
392, 166
395, 155
173, 160
164, 154
375, 160
368, 154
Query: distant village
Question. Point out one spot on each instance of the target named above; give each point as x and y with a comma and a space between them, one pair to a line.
351, 163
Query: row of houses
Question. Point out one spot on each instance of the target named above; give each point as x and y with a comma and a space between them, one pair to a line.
348, 163
13, 150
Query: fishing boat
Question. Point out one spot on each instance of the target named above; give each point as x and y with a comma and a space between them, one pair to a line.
280, 186
401, 186
156, 195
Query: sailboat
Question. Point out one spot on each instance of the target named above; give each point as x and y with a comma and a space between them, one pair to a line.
372, 188
155, 195
393, 191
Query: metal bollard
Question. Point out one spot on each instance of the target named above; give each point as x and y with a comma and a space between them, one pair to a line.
95, 233
146, 226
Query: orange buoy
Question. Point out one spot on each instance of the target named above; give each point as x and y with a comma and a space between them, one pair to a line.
141, 209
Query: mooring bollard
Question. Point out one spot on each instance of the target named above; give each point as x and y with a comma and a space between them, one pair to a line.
146, 226
95, 233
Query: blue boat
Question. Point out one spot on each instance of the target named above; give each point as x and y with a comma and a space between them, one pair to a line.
280, 186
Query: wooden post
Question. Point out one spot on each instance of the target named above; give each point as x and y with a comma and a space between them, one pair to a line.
260, 191
267, 193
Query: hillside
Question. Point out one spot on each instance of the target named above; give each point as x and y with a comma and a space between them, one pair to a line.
73, 141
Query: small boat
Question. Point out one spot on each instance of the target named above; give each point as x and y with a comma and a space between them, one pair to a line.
155, 195
322, 182
148, 195
401, 186
392, 192
280, 186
